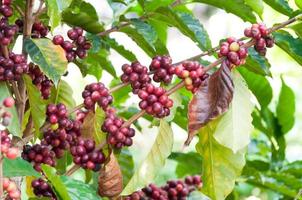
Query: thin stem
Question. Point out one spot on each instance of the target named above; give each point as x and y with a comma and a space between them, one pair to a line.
117, 87
19, 10
16, 91
78, 107
175, 88
134, 118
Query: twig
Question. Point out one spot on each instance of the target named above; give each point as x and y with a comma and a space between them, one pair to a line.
78, 107
16, 91
19, 10
117, 87
40, 10
175, 88
134, 118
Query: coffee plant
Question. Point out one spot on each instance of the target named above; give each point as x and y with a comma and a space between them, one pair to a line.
57, 146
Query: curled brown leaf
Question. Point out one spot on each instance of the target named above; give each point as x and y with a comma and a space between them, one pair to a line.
211, 100
111, 179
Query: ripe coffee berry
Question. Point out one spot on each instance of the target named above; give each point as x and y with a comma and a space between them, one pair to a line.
42, 189
262, 36
192, 73
135, 74
58, 114
6, 10
9, 102
7, 32
162, 68
58, 140
39, 30
96, 93
155, 101
10, 190
37, 155
6, 147
234, 51
13, 67
86, 155
77, 48
40, 80
118, 136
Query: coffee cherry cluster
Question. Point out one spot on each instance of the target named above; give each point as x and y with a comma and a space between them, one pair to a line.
135, 74
58, 115
13, 67
5, 116
192, 73
118, 136
43, 189
39, 30
6, 147
234, 51
155, 101
11, 189
86, 155
38, 154
162, 68
58, 140
6, 10
261, 35
172, 190
96, 93
77, 48
80, 115
40, 80
7, 32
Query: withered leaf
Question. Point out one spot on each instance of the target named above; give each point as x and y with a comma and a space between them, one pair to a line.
111, 179
211, 100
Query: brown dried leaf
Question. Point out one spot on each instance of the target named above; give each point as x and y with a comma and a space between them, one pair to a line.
111, 179
211, 100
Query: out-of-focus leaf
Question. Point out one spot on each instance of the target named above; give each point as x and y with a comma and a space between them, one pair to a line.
126, 163
18, 167
92, 124
186, 23
257, 64
120, 96
259, 85
62, 94
177, 102
111, 179
120, 49
56, 182
82, 14
187, 163
14, 127
280, 5
292, 46
151, 5
297, 28
286, 108
197, 196
220, 165
293, 168
256, 5
49, 57
78, 190
64, 162
236, 7
235, 126
211, 100
154, 161
53, 12
299, 3
37, 105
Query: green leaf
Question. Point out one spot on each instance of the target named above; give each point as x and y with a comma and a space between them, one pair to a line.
299, 3
297, 28
293, 168
125, 160
186, 23
235, 126
151, 5
286, 108
196, 195
56, 182
199, 33
139, 40
280, 5
161, 29
14, 127
154, 161
120, 96
236, 7
64, 162
62, 94
146, 30
78, 190
92, 124
292, 46
256, 5
257, 64
50, 58
177, 102
82, 14
37, 104
259, 85
120, 49
18, 167
187, 163
220, 166
53, 13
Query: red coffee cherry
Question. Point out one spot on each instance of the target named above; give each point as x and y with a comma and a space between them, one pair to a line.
9, 102
12, 68
42, 189
162, 68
